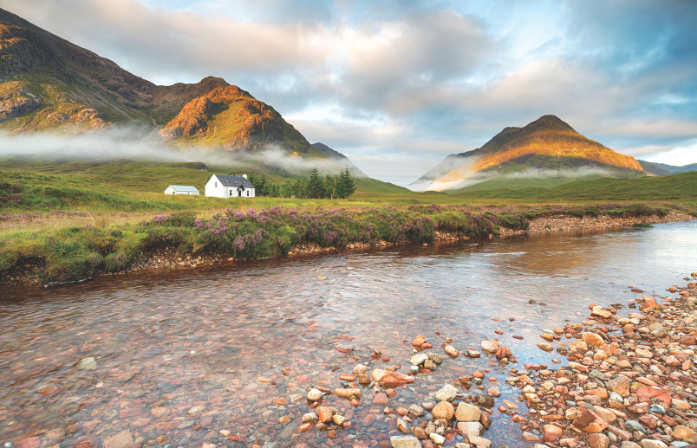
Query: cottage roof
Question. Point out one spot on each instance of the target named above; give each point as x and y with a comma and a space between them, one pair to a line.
184, 188
234, 181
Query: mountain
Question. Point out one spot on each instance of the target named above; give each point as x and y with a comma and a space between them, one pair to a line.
547, 147
50, 84
450, 163
340, 158
231, 118
653, 169
671, 168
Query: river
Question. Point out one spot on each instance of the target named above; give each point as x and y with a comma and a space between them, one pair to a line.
209, 346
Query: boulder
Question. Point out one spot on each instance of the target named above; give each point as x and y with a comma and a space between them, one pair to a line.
545, 346
684, 434
419, 341
444, 410
470, 428
467, 413
592, 339
479, 442
348, 393
589, 422
490, 346
446, 393
314, 395
620, 385
451, 351
598, 441
418, 359
391, 378
652, 443
405, 442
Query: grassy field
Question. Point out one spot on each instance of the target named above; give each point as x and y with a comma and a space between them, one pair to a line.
678, 188
124, 186
74, 220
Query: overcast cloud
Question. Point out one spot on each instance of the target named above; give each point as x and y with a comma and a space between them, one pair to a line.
399, 85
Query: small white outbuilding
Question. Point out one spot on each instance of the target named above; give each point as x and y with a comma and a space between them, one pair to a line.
182, 189
226, 186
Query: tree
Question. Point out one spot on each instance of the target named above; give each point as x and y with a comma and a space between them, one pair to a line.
299, 189
346, 185
315, 186
287, 189
330, 186
262, 186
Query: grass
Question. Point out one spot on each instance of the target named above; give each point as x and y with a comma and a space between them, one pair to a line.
679, 187
76, 219
101, 244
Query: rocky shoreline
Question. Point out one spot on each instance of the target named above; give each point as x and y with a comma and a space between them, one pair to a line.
629, 382
563, 222
170, 258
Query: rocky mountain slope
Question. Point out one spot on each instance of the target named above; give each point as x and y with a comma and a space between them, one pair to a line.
231, 118
339, 158
547, 145
50, 84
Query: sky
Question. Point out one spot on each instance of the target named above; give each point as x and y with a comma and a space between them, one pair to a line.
398, 85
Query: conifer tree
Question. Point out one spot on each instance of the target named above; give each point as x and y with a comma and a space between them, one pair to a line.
315, 186
346, 185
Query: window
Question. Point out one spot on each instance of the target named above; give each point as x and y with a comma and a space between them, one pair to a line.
247, 193
216, 185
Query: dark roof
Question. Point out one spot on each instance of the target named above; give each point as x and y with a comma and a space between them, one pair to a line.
233, 181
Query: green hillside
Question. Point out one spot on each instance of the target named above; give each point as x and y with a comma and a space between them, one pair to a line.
130, 185
678, 187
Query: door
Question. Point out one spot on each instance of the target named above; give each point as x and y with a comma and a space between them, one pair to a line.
239, 193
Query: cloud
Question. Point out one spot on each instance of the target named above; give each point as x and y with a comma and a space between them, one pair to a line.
411, 82
134, 143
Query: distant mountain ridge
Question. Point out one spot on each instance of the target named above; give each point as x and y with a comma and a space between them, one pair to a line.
451, 162
654, 170
340, 158
671, 169
547, 144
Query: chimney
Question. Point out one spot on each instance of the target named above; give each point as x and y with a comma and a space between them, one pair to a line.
244, 175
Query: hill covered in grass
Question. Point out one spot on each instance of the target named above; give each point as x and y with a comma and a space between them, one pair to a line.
678, 187
128, 185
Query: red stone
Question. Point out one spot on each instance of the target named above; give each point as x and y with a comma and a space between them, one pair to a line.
131, 412
31, 442
166, 426
655, 392
381, 399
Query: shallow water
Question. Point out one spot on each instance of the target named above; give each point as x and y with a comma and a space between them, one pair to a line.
181, 339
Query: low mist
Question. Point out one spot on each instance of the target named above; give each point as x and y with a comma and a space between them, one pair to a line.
463, 177
139, 144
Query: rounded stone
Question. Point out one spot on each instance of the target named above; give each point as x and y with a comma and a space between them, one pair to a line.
444, 410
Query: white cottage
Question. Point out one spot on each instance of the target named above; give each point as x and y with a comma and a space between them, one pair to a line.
182, 189
224, 186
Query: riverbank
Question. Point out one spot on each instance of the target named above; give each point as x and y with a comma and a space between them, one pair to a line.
184, 241
628, 381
